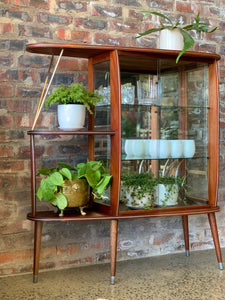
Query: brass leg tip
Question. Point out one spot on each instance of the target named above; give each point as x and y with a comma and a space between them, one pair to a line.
112, 279
35, 278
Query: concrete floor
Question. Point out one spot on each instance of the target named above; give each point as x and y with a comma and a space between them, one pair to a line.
168, 277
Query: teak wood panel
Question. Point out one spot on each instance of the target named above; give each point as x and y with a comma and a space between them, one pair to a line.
213, 133
87, 51
115, 84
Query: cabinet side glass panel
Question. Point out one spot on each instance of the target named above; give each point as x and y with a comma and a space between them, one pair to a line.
164, 135
102, 119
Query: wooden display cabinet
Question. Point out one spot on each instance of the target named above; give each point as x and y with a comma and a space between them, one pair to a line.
148, 100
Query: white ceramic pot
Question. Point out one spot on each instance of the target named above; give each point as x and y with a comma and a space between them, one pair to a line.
135, 203
171, 39
164, 196
71, 116
189, 148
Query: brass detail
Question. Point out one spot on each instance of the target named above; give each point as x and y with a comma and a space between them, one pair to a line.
76, 192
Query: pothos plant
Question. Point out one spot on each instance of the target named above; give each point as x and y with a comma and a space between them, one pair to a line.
197, 26
75, 94
96, 175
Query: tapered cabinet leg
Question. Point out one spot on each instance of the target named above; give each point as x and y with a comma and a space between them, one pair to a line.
186, 234
37, 248
213, 226
113, 248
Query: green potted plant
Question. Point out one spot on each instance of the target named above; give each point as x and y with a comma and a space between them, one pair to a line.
177, 27
66, 186
72, 102
139, 190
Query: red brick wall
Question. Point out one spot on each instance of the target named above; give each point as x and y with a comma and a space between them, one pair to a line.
113, 22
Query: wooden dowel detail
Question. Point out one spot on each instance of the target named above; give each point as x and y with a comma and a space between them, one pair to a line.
48, 87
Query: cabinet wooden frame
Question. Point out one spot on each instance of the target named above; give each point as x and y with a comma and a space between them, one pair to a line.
97, 54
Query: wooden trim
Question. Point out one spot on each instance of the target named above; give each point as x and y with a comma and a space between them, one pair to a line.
91, 119
33, 175
87, 51
213, 133
115, 126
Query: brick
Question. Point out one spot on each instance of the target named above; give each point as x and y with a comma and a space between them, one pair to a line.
32, 3
6, 151
133, 14
22, 106
15, 14
83, 78
6, 121
11, 166
24, 152
128, 27
6, 182
27, 76
90, 23
74, 64
33, 61
11, 135
204, 47
128, 2
160, 4
6, 60
34, 31
6, 90
46, 18
8, 75
109, 39
6, 28
21, 2
107, 11
71, 5
65, 79
74, 35
184, 7
15, 255
69, 149
27, 91
12, 45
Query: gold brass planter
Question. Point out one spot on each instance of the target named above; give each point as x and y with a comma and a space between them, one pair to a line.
76, 193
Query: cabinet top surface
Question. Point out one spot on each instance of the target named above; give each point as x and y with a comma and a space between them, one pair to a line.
87, 51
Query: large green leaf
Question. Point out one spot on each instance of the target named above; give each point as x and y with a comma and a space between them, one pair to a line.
56, 178
59, 200
93, 177
157, 14
188, 43
46, 189
64, 165
66, 173
149, 31
102, 184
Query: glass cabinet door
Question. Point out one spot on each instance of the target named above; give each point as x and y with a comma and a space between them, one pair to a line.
164, 134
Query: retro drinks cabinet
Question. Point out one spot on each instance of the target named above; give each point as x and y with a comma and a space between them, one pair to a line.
156, 116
